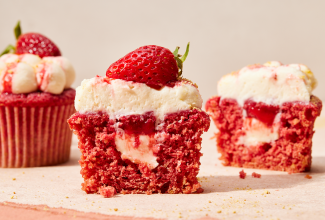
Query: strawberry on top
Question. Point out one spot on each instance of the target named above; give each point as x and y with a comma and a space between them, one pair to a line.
37, 44
153, 65
32, 43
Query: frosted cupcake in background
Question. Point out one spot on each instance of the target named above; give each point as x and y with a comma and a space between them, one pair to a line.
35, 102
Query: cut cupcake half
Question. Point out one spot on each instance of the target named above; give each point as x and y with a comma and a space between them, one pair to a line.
138, 138
265, 116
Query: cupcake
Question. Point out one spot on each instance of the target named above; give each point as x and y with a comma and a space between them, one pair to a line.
265, 115
140, 127
35, 102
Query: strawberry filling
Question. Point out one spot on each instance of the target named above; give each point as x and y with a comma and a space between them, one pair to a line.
261, 111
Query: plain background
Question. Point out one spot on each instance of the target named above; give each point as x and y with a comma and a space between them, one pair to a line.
224, 35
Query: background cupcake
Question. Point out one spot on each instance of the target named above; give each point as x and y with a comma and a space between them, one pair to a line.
35, 102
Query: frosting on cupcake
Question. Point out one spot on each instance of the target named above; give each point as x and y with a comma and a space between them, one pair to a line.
28, 73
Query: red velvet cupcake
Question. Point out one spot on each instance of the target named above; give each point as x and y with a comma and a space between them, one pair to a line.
35, 102
265, 115
140, 128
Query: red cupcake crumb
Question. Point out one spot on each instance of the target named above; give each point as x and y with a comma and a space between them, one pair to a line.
107, 191
242, 174
308, 176
256, 175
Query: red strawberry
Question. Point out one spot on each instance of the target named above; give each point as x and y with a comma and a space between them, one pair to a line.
152, 65
33, 43
37, 44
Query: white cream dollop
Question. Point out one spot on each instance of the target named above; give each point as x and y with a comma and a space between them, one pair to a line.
51, 74
118, 97
24, 80
271, 83
67, 67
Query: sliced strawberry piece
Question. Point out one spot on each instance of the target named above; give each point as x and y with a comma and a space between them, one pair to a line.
152, 65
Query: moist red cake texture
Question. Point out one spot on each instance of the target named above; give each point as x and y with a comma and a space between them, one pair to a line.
38, 99
291, 152
177, 148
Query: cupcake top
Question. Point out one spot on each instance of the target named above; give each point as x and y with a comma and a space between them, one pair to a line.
28, 73
147, 79
119, 97
34, 64
272, 83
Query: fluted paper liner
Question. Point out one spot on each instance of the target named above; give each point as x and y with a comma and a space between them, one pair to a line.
34, 136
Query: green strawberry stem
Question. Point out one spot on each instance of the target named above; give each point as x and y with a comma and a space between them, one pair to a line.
10, 48
180, 59
17, 30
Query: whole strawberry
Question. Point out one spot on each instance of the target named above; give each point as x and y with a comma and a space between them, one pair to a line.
152, 65
33, 43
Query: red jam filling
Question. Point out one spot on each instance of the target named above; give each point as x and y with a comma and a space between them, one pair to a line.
261, 111
143, 124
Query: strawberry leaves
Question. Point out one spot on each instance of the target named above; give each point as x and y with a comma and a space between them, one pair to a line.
180, 59
32, 43
17, 30
9, 49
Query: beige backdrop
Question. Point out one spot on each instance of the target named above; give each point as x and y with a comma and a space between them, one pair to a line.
224, 35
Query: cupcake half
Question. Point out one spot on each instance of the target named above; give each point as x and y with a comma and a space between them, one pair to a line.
140, 127
265, 115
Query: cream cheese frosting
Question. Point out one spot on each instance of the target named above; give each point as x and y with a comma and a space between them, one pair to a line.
271, 83
118, 97
31, 73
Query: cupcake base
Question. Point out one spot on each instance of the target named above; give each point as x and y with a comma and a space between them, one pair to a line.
176, 144
33, 129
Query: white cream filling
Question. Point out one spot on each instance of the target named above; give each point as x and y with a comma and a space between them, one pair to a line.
59, 73
141, 154
257, 132
119, 97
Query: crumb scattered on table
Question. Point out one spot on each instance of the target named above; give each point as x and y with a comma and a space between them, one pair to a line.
308, 176
242, 174
256, 175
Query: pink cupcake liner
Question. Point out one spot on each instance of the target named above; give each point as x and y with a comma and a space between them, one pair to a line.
34, 136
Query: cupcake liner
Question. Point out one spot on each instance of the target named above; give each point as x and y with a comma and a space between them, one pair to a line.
34, 136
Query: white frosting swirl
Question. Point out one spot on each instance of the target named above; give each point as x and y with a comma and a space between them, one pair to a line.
271, 83
31, 73
118, 97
